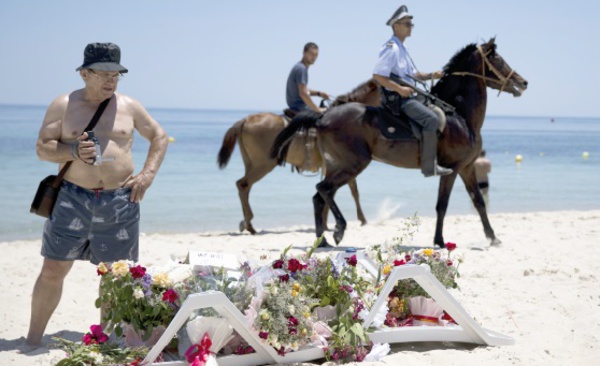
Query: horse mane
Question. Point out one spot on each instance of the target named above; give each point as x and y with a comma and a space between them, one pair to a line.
358, 93
460, 59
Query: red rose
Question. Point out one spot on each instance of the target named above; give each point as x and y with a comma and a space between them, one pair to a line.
352, 260
137, 271
263, 335
407, 257
450, 246
449, 263
294, 265
399, 262
284, 278
278, 264
170, 295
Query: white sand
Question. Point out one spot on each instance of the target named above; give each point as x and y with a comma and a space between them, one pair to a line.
541, 286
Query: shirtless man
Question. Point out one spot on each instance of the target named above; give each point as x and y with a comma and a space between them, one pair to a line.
96, 216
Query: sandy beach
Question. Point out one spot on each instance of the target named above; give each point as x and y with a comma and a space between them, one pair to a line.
541, 286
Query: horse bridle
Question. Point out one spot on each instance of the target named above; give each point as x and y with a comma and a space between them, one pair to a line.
503, 80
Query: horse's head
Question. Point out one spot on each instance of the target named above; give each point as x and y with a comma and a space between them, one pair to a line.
366, 93
498, 75
486, 64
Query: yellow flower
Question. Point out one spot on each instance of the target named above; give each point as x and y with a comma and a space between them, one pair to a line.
306, 314
264, 315
161, 280
294, 293
296, 287
304, 332
102, 268
387, 270
428, 252
120, 269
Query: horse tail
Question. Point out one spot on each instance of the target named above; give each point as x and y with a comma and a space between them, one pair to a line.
302, 122
228, 145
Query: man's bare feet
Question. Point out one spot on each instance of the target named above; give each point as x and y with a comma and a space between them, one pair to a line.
25, 348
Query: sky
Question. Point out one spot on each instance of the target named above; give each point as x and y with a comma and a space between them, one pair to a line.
237, 54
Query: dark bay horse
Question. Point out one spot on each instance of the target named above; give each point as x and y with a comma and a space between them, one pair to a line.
255, 135
349, 139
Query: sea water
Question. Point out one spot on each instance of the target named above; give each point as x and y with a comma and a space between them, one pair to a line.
191, 194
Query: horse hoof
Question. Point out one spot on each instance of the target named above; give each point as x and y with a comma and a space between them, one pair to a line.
363, 222
248, 227
338, 236
439, 244
495, 242
324, 244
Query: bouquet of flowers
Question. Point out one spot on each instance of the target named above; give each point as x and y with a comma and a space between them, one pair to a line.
95, 350
409, 304
232, 283
281, 311
131, 296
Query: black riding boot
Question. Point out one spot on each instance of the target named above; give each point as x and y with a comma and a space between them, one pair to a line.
429, 166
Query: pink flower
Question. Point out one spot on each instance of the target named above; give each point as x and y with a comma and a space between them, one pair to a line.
278, 264
407, 257
352, 260
450, 246
399, 262
137, 271
198, 354
96, 336
263, 335
170, 295
449, 263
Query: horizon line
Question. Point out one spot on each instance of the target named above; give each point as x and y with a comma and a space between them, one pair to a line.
273, 111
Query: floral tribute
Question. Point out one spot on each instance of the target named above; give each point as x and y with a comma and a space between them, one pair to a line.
295, 301
95, 350
408, 303
130, 295
281, 310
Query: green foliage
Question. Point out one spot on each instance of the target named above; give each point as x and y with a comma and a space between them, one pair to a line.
79, 354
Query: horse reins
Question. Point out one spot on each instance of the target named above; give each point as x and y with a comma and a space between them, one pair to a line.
501, 78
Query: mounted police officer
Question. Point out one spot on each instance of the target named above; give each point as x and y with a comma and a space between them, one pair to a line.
395, 62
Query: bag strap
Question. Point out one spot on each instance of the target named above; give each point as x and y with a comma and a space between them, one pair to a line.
89, 127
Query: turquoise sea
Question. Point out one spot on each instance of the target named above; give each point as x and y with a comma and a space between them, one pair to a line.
190, 193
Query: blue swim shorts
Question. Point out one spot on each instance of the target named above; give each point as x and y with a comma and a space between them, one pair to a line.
96, 225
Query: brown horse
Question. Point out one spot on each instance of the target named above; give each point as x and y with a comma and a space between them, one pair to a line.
349, 137
255, 135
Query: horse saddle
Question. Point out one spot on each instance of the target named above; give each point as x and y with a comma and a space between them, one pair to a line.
401, 127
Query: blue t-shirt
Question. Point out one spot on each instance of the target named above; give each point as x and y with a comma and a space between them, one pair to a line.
298, 75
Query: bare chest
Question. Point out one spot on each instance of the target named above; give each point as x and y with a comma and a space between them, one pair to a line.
116, 124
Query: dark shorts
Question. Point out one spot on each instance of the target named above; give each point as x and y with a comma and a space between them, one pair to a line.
94, 225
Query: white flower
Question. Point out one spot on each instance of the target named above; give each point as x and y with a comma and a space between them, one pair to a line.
291, 309
97, 357
138, 293
377, 352
274, 290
